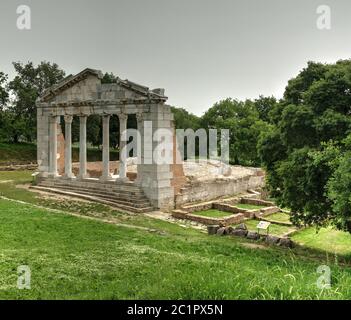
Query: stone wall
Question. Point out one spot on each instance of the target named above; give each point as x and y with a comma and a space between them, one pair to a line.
60, 150
257, 202
231, 219
179, 179
217, 188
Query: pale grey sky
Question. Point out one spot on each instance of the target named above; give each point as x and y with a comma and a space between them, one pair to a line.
200, 51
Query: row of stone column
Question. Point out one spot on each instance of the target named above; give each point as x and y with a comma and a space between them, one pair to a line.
54, 121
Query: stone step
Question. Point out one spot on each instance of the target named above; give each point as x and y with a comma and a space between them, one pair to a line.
138, 202
120, 206
95, 183
121, 194
97, 188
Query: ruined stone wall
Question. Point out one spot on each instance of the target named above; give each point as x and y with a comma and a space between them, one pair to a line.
179, 179
217, 188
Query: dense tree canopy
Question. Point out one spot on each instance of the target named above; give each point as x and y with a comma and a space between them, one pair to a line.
306, 153
243, 121
30, 82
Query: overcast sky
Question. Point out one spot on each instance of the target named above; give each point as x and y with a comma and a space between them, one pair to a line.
200, 51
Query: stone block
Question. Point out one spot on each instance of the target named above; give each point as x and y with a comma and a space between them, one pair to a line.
272, 239
221, 231
252, 235
241, 226
239, 233
286, 242
212, 229
269, 210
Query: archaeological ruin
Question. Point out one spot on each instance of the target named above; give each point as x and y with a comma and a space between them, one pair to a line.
138, 184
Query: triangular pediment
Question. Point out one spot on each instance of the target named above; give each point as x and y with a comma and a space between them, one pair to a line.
87, 86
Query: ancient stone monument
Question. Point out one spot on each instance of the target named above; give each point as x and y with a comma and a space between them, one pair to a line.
156, 185
83, 95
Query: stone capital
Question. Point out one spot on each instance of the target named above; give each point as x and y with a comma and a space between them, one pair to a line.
83, 119
54, 119
122, 116
68, 119
140, 116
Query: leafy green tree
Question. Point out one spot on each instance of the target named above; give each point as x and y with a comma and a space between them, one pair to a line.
304, 176
305, 153
29, 83
299, 85
245, 127
264, 106
338, 191
184, 119
4, 95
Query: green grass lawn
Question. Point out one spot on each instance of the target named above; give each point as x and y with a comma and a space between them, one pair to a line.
212, 213
326, 239
247, 206
280, 216
21, 153
75, 258
274, 229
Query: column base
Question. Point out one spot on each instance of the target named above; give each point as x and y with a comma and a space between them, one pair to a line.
53, 175
124, 179
106, 178
83, 176
69, 176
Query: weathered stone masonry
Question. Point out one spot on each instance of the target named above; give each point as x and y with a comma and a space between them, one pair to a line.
83, 95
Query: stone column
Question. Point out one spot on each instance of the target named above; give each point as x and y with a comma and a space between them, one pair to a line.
83, 148
106, 148
122, 147
53, 122
68, 147
140, 146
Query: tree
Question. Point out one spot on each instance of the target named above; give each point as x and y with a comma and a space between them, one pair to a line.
264, 105
338, 191
3, 102
184, 119
29, 83
245, 127
306, 153
4, 95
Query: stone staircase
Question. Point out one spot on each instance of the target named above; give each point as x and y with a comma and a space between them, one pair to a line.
124, 196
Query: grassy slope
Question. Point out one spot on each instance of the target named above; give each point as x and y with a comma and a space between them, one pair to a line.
280, 216
73, 258
17, 153
326, 239
274, 229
